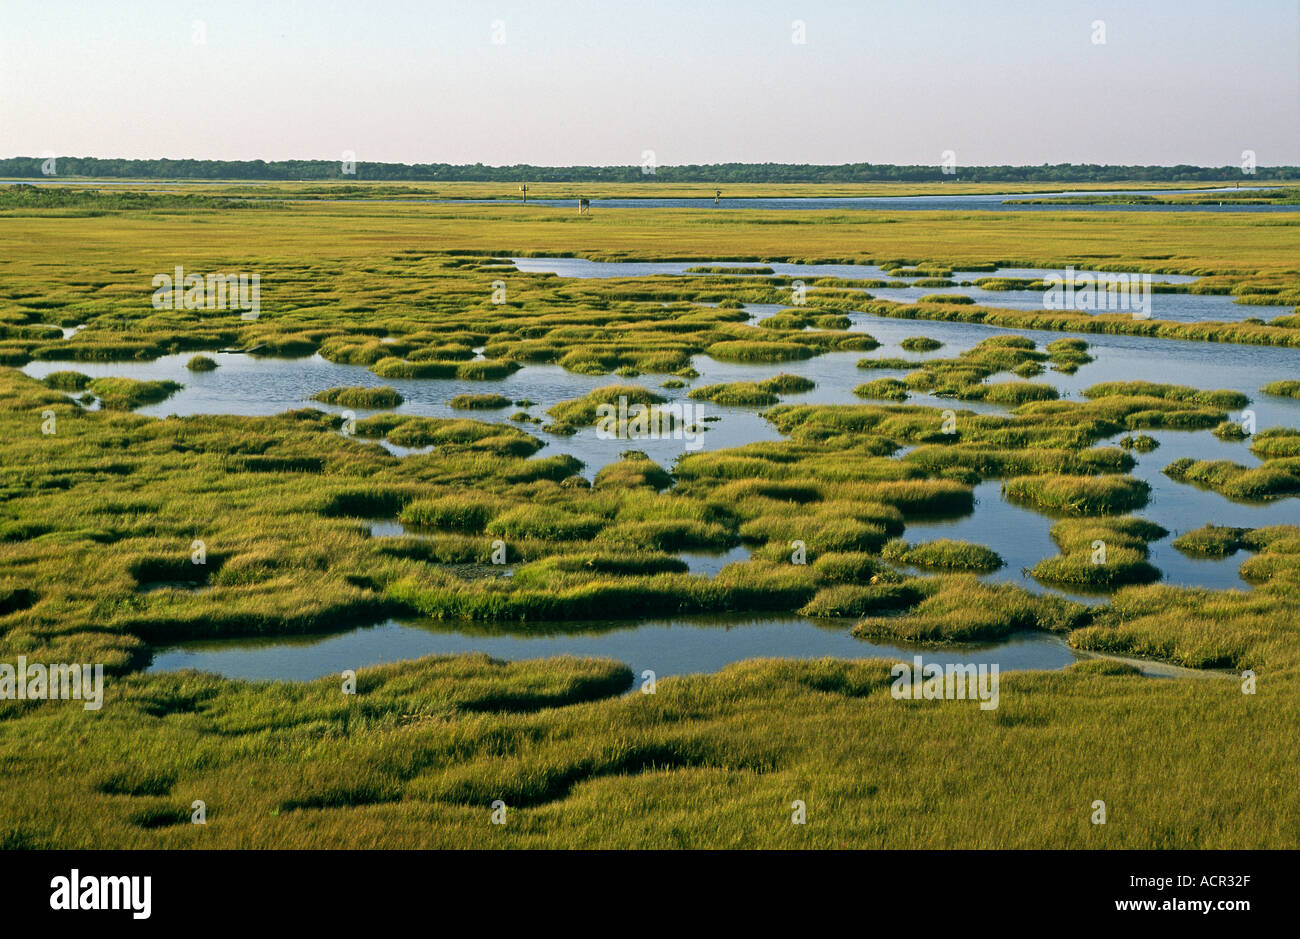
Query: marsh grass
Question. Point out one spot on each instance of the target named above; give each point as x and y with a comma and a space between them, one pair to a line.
1010, 392
1274, 479
888, 363
462, 512
960, 608
846, 600
943, 555
125, 394
1275, 443
1122, 566
633, 472
743, 351
476, 371
371, 398
471, 402
920, 344
1212, 541
581, 412
986, 461
1078, 495
1145, 389
1230, 430
885, 389
737, 394
95, 516
1068, 355
1283, 389
67, 381
1142, 443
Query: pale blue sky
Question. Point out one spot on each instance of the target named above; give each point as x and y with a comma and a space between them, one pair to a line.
579, 82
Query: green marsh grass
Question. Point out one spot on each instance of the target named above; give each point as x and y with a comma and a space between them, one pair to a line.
844, 600
472, 402
1078, 495
943, 555
946, 299
284, 505
1276, 443
1141, 443
125, 394
883, 389
67, 381
371, 398
1213, 541
960, 608
1284, 389
1272, 480
745, 351
1133, 389
920, 344
1230, 430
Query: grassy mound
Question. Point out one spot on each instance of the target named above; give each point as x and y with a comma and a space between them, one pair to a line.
745, 351
1276, 443
67, 381
884, 389
125, 394
1212, 541
920, 344
1284, 389
1272, 480
1223, 398
486, 402
961, 608
377, 398
1078, 495
943, 555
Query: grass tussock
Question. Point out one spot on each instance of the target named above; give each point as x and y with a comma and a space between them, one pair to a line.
1276, 443
126, 394
960, 608
67, 381
1283, 389
943, 555
479, 402
373, 398
1274, 479
1213, 541
1078, 495
920, 344
746, 351
1220, 399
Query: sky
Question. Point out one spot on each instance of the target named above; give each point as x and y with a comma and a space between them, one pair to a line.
565, 82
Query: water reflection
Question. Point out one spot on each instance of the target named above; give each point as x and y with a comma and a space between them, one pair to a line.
677, 646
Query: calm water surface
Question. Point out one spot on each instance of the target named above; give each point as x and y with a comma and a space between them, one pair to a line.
678, 646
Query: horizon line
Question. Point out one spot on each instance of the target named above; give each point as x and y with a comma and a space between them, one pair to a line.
1235, 167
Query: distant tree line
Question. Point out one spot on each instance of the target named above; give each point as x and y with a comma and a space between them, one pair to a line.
717, 173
